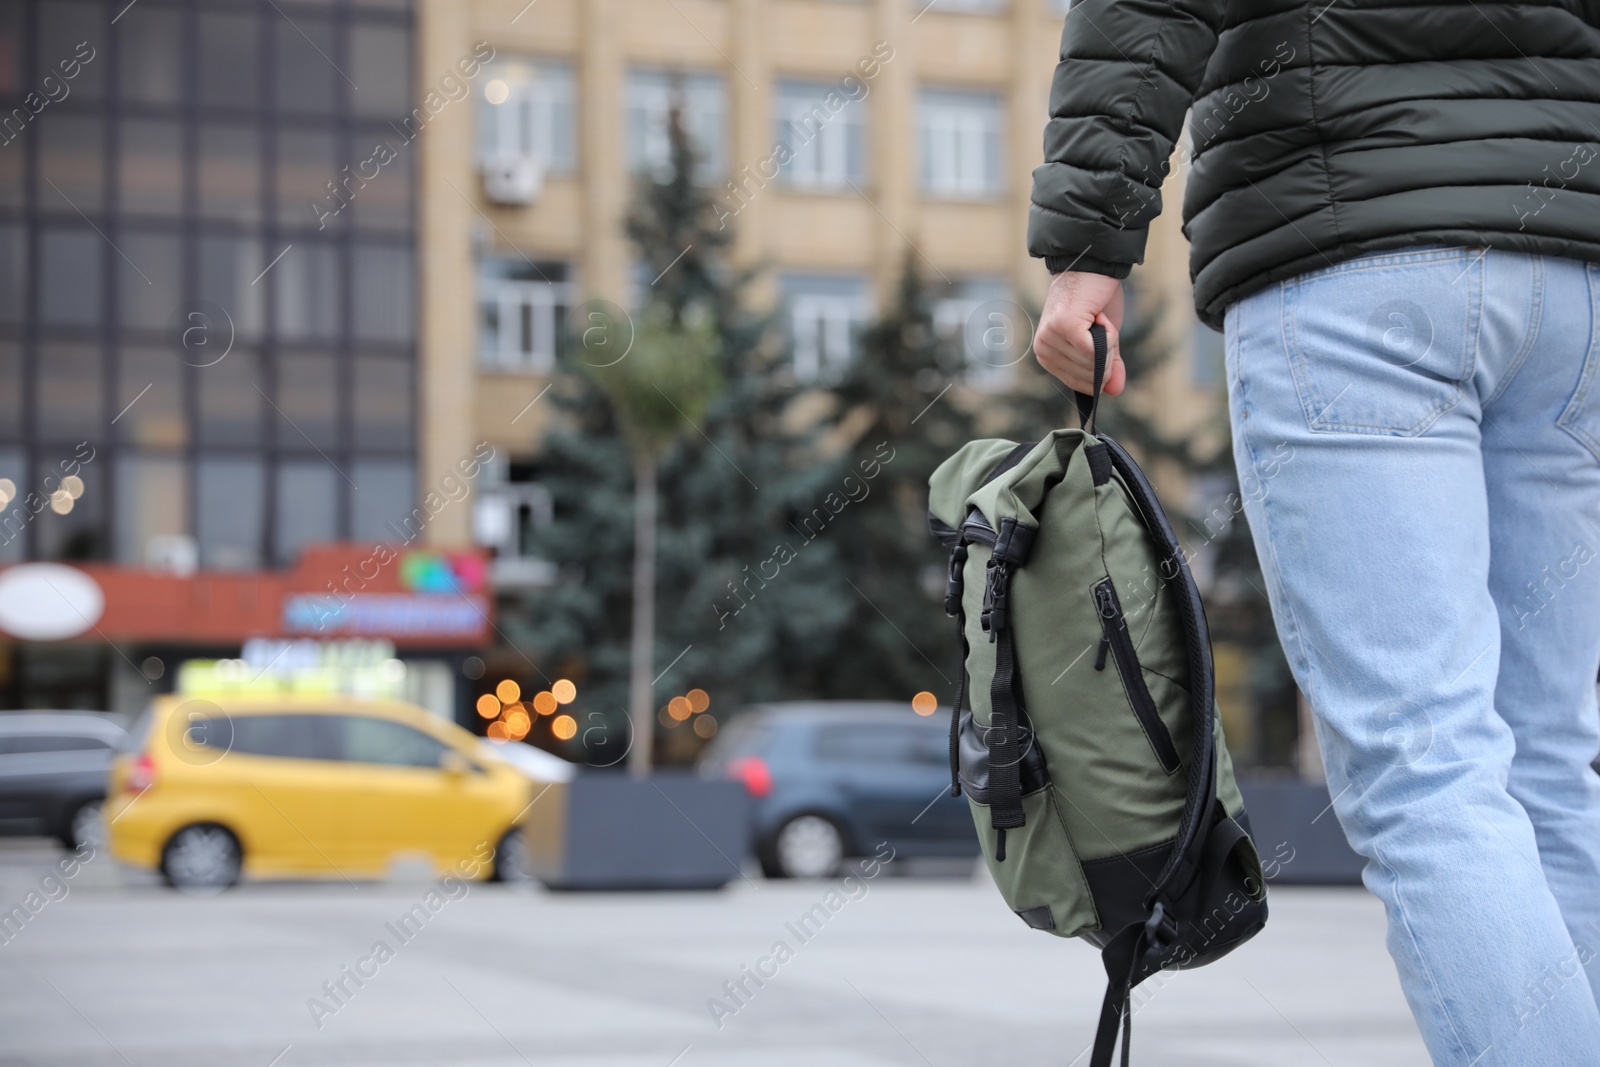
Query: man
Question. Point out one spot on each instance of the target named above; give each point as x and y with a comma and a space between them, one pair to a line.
1394, 214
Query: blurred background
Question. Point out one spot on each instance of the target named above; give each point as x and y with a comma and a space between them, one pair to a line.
366, 356
281, 282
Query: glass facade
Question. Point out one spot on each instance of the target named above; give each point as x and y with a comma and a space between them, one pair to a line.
207, 276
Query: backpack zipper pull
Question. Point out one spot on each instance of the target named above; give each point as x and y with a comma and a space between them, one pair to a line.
1108, 613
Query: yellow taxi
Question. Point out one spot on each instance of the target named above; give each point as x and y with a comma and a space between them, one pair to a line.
294, 786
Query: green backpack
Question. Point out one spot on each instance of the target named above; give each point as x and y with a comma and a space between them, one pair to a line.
1092, 755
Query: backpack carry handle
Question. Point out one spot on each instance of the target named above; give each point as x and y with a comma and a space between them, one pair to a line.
1088, 402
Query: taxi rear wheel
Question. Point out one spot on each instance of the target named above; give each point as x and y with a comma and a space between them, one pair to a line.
202, 858
512, 863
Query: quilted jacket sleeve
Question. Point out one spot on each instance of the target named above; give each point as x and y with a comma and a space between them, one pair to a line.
1128, 71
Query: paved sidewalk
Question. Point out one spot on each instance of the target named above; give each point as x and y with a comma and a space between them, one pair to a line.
918, 972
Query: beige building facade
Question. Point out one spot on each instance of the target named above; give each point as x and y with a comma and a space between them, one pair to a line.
839, 136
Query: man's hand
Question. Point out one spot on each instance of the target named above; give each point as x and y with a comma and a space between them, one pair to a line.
1062, 345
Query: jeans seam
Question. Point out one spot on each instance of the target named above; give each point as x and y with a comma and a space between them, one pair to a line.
1416, 948
1379, 260
1566, 420
1535, 318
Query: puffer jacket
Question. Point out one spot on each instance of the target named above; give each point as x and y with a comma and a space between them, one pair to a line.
1319, 131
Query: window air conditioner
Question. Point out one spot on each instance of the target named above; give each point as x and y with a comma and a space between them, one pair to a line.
512, 179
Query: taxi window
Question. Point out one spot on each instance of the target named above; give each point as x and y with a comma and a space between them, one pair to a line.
368, 739
286, 736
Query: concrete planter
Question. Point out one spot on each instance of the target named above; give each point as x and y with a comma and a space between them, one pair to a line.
1299, 836
610, 831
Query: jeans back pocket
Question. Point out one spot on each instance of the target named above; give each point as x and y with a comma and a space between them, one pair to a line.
1382, 344
1581, 416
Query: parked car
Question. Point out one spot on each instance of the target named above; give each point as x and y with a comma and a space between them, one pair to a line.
837, 779
309, 787
53, 773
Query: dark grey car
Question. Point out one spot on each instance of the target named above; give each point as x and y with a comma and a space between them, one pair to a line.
834, 779
53, 767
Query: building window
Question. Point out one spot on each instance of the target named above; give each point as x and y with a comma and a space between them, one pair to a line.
961, 135
988, 326
527, 112
703, 101
966, 7
522, 313
824, 132
824, 313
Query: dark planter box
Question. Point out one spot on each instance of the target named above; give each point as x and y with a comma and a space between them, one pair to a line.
1299, 836
612, 831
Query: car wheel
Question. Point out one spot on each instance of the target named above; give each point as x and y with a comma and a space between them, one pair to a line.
512, 863
807, 846
86, 827
201, 858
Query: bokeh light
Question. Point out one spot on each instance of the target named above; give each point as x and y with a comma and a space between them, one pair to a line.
72, 485
924, 703
664, 717
705, 726
489, 706
508, 691
497, 92
678, 708
699, 700
544, 702
497, 731
564, 727
61, 501
564, 691
517, 723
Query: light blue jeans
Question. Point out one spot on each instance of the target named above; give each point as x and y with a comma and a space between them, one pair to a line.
1418, 440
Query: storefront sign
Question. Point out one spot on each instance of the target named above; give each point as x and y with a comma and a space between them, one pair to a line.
383, 614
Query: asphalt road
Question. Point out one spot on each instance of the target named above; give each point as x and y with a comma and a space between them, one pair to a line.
915, 971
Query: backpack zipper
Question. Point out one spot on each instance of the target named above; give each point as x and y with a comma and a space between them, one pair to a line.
1115, 637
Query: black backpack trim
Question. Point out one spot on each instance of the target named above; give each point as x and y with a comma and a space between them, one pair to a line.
1188, 919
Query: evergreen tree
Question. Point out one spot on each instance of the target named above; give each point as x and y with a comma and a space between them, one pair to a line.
743, 602
904, 397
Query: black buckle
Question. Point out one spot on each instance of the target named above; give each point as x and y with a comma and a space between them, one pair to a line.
953, 581
1159, 930
993, 619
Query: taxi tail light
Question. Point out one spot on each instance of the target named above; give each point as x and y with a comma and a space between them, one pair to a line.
754, 773
141, 775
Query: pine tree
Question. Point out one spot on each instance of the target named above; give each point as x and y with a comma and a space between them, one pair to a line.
904, 397
743, 602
